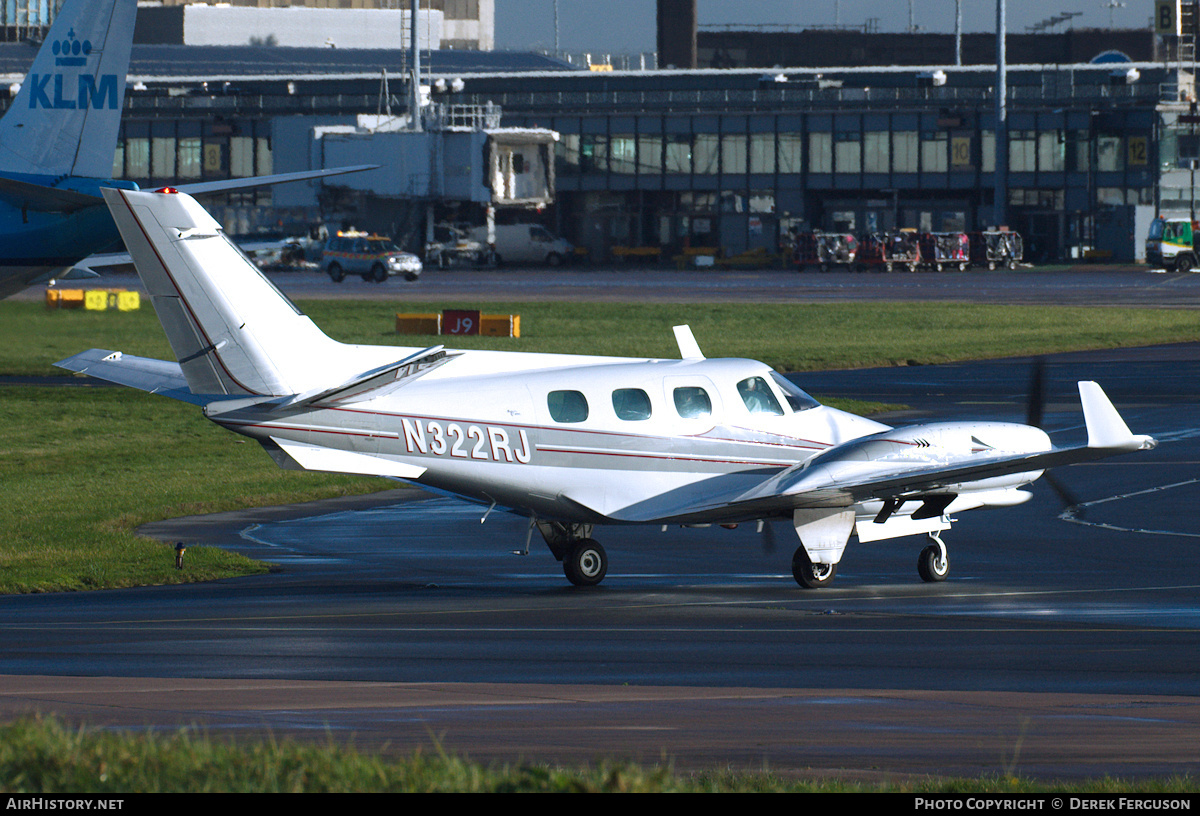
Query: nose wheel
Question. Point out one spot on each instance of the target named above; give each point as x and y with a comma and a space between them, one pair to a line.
933, 565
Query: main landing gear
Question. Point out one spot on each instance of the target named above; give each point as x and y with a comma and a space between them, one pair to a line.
585, 563
933, 565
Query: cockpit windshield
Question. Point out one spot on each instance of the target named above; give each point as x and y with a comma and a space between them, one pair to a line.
796, 398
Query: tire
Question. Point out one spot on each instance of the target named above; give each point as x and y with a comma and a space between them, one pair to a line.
585, 563
554, 259
810, 575
336, 273
931, 566
378, 273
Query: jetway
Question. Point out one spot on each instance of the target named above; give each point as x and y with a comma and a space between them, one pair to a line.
459, 153
454, 154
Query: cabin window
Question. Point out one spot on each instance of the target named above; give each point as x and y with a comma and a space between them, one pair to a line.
567, 406
692, 402
631, 404
758, 397
796, 398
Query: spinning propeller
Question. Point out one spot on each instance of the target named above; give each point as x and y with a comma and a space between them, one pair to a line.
1034, 411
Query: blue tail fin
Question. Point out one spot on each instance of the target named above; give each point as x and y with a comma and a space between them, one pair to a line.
65, 118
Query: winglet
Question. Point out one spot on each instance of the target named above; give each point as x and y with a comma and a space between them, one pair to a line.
689, 349
1105, 427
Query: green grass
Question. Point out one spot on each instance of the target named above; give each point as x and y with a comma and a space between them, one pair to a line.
84, 466
790, 337
40, 756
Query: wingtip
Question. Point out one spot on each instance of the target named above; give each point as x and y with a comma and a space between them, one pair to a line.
1105, 427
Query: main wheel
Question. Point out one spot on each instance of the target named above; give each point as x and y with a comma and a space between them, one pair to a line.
932, 565
585, 563
808, 574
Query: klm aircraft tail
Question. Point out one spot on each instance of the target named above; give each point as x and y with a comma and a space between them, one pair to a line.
65, 118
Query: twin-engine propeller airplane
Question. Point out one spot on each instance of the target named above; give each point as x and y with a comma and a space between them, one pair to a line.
57, 141
568, 441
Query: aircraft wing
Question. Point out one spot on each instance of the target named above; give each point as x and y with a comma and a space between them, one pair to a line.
835, 479
42, 198
24, 195
202, 187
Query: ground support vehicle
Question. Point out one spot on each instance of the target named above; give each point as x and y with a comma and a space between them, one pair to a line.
454, 246
835, 249
524, 244
998, 249
870, 254
804, 250
945, 250
373, 257
901, 250
1170, 244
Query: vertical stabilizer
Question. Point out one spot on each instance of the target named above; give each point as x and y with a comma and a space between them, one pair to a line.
232, 331
65, 118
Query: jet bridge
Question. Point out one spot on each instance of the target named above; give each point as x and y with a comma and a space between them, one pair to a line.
453, 154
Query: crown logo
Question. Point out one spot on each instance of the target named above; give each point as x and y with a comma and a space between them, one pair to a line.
71, 49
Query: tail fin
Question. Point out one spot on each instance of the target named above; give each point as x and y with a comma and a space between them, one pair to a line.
65, 118
232, 331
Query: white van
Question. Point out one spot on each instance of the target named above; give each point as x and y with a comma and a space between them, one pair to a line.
527, 243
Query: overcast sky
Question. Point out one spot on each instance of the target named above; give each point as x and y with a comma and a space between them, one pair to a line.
627, 26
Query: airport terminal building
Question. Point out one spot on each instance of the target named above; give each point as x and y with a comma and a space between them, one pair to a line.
726, 157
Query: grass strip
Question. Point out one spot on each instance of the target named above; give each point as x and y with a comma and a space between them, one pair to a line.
85, 466
789, 337
44, 756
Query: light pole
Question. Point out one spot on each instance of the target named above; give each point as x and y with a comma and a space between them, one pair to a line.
958, 32
1000, 188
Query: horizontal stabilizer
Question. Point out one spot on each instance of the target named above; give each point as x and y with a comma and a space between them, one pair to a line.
377, 382
142, 373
